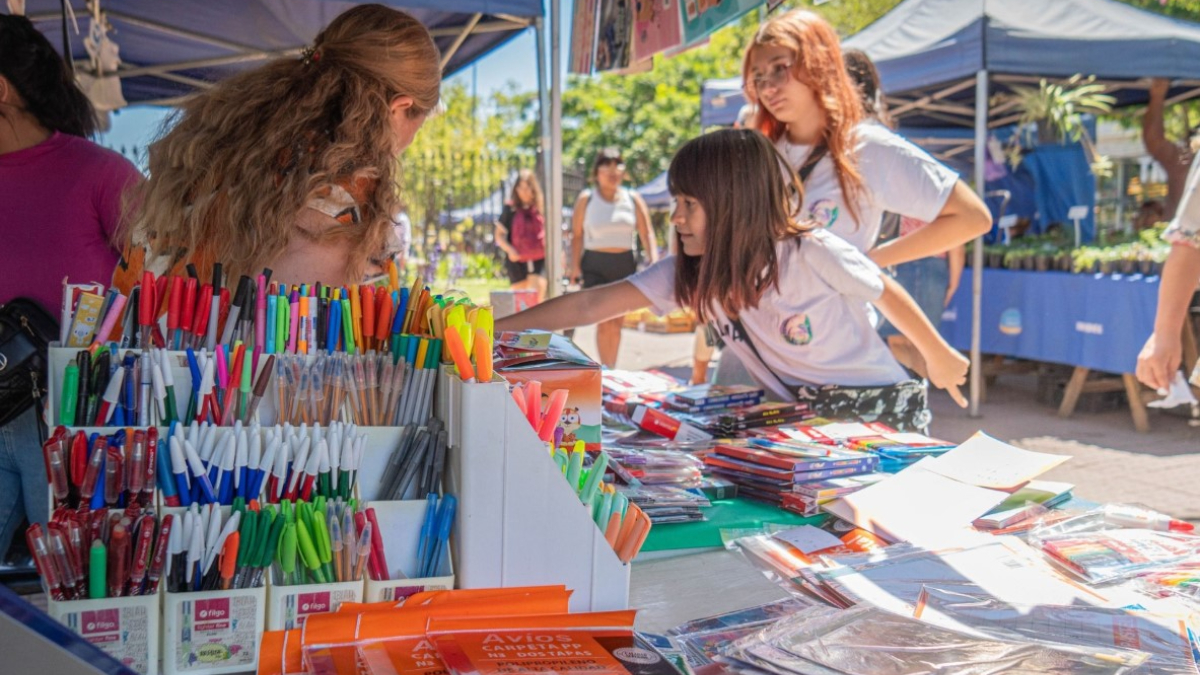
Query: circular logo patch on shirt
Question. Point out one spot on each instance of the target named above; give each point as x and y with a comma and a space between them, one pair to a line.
1010, 321
797, 330
823, 212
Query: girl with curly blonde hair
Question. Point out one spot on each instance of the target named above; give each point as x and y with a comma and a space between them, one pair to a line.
293, 165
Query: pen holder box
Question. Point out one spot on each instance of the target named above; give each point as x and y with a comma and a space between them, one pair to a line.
289, 606
127, 629
212, 632
400, 522
519, 523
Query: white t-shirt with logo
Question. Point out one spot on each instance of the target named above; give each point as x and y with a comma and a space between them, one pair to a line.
897, 176
814, 329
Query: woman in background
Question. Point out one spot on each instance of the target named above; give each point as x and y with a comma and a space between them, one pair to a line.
605, 226
60, 207
521, 234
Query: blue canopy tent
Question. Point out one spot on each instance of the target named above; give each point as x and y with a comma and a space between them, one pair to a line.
170, 49
655, 193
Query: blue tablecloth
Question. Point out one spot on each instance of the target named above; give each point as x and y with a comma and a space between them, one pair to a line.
1094, 321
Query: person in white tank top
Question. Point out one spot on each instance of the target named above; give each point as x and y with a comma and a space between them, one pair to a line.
604, 228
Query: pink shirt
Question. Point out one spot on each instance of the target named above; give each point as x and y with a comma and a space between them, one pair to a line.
60, 202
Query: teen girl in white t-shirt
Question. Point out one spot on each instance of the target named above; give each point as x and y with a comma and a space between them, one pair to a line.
855, 170
789, 299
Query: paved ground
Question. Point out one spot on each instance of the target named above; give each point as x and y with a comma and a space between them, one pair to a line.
1110, 460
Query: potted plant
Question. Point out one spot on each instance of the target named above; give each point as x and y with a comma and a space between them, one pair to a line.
1084, 260
1055, 110
993, 256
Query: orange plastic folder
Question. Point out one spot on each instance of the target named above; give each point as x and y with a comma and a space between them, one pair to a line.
280, 653
409, 654
516, 594
598, 643
330, 641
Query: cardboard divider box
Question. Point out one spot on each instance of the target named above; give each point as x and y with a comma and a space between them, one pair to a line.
212, 632
127, 629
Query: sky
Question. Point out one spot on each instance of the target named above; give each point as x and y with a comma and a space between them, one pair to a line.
515, 61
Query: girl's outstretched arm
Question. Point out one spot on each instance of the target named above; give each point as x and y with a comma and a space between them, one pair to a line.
578, 309
947, 367
963, 218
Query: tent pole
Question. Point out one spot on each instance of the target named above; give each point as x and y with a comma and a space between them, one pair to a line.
553, 236
552, 148
981, 129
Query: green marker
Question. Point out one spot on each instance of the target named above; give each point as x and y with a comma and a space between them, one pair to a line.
308, 552
98, 571
574, 467
347, 326
70, 395
588, 493
287, 553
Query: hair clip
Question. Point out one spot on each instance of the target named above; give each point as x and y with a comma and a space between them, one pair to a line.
310, 55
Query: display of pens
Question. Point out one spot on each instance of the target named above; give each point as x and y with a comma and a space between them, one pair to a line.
367, 389
321, 543
414, 469
96, 471
205, 464
435, 533
102, 553
190, 311
212, 552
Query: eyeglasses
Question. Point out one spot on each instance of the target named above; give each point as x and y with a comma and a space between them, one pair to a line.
776, 76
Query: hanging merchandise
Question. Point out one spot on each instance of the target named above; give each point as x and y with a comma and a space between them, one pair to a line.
656, 28
101, 85
614, 35
702, 18
583, 37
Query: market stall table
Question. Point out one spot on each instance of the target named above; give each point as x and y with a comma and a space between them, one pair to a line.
1092, 322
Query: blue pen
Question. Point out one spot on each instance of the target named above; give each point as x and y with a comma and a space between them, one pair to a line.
335, 324
200, 478
445, 521
401, 310
164, 473
427, 529
98, 497
272, 310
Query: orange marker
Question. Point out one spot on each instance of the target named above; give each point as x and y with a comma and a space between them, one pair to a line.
229, 553
483, 356
459, 353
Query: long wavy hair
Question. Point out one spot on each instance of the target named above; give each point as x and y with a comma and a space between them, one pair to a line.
244, 158
818, 64
750, 198
47, 88
529, 178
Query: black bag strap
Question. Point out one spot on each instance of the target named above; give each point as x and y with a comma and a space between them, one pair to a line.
814, 158
740, 329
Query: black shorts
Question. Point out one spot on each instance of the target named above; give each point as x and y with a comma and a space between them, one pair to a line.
519, 271
599, 268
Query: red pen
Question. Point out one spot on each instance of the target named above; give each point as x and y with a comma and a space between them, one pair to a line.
114, 476
88, 487
151, 463
160, 295
231, 391
146, 304
64, 561
200, 324
160, 555
383, 318
79, 457
187, 311
141, 555
377, 546
56, 470
118, 560
35, 537
223, 309
174, 308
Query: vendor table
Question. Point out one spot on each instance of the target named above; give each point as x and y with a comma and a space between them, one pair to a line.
1093, 322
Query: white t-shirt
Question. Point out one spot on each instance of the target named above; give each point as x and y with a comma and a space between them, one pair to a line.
813, 330
610, 224
1185, 227
897, 176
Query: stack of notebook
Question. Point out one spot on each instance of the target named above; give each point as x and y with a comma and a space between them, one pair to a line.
769, 473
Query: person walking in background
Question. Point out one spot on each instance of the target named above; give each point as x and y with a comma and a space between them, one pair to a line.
60, 208
521, 234
931, 281
1162, 355
605, 226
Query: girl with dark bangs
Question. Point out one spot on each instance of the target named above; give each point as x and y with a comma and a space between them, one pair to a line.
853, 170
789, 299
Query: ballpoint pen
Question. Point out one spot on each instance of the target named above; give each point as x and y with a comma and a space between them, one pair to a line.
118, 556
146, 310
109, 401
198, 473
235, 310
179, 469
174, 311
187, 313
214, 309
141, 554
363, 551
161, 553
